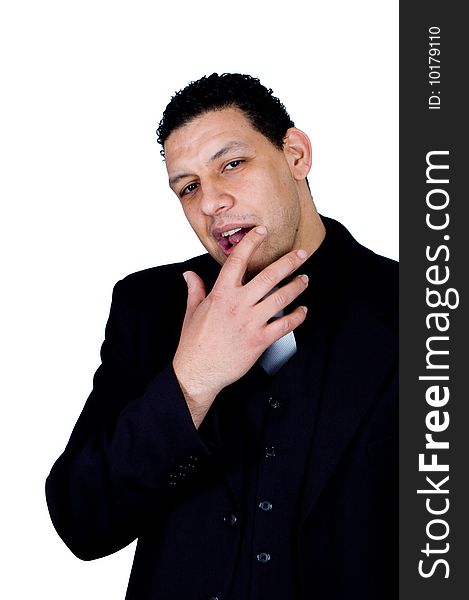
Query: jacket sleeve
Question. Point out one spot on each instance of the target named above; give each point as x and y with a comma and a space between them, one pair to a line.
130, 446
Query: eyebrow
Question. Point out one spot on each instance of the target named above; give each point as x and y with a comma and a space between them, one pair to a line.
226, 148
229, 146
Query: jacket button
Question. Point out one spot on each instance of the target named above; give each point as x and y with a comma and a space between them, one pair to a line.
273, 402
263, 557
265, 505
230, 519
270, 451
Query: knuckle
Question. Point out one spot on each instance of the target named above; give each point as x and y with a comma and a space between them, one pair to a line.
267, 276
235, 260
291, 321
287, 324
216, 293
280, 299
292, 260
258, 339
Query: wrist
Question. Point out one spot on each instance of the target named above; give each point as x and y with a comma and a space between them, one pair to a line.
198, 397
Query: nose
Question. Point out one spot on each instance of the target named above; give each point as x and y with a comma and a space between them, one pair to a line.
215, 198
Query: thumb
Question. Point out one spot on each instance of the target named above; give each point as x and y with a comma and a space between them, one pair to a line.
195, 292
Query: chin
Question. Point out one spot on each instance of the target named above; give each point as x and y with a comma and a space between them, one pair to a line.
256, 266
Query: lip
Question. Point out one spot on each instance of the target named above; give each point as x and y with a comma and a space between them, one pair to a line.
222, 242
217, 231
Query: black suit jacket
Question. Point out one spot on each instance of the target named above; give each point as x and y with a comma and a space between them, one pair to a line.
135, 466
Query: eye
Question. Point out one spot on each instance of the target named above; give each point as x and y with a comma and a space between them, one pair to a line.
189, 189
233, 164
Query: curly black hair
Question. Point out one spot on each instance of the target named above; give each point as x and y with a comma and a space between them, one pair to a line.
214, 92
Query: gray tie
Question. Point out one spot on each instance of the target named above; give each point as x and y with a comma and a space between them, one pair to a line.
280, 351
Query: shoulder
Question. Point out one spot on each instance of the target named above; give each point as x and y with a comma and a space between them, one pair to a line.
163, 283
371, 278
378, 286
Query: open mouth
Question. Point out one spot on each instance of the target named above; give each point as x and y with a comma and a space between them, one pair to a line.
227, 240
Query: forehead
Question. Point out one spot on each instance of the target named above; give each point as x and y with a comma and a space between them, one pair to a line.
205, 135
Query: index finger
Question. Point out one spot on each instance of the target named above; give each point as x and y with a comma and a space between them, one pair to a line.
232, 272
273, 274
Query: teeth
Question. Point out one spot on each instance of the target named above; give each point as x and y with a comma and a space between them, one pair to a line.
230, 232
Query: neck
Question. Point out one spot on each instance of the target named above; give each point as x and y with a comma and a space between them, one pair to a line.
312, 231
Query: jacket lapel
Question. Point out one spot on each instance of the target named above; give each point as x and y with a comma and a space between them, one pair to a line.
352, 379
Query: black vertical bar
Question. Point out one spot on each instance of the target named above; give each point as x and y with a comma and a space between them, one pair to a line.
434, 271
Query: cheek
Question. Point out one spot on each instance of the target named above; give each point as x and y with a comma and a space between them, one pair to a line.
193, 218
273, 190
199, 225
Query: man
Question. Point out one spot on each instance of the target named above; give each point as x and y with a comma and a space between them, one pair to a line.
247, 467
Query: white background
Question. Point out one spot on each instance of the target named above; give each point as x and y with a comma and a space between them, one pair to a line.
84, 198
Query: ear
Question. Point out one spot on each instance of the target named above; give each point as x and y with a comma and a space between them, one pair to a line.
297, 151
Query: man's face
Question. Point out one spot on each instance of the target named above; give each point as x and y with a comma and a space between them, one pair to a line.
229, 179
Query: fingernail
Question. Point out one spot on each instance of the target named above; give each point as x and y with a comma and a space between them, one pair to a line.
302, 254
305, 308
261, 229
185, 276
305, 278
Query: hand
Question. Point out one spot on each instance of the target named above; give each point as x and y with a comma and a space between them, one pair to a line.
226, 331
